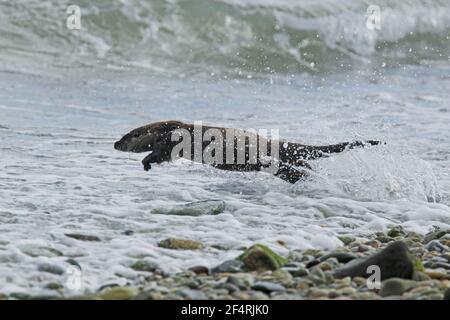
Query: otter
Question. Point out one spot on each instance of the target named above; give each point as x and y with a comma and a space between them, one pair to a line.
291, 158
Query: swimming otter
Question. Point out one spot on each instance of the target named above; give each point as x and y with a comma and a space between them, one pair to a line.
290, 158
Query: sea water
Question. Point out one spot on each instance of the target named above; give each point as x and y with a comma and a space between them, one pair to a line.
311, 69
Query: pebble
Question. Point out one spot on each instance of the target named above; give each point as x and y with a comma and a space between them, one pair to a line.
435, 235
346, 239
443, 265
325, 266
396, 231
296, 271
348, 291
258, 295
396, 287
199, 270
180, 244
242, 281
436, 274
268, 287
54, 286
190, 294
317, 276
148, 295
342, 257
229, 266
318, 293
435, 245
281, 278
420, 276
51, 268
144, 265
231, 288
36, 251
373, 243
82, 237
383, 238
74, 263
117, 293
447, 294
197, 208
446, 256
394, 261
260, 257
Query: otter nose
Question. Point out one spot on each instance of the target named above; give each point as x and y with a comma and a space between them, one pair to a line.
117, 145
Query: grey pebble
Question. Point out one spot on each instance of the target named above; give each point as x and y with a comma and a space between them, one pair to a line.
228, 266
437, 265
242, 283
190, 294
435, 245
267, 287
342, 257
51, 268
296, 271
229, 287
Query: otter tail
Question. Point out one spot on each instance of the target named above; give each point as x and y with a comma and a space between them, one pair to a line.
315, 152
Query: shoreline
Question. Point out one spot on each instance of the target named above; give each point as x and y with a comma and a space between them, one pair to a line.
260, 274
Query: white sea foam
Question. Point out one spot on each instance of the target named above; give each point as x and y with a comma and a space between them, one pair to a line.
61, 175
66, 96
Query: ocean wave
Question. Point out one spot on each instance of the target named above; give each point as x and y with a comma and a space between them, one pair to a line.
237, 38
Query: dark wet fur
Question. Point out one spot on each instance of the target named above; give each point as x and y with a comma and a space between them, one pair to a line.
156, 138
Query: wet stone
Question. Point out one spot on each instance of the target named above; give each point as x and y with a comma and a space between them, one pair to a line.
82, 237
420, 276
396, 231
346, 239
435, 245
54, 286
435, 235
231, 288
74, 263
199, 269
443, 265
342, 257
36, 251
317, 276
117, 293
394, 261
197, 208
268, 287
144, 265
396, 287
296, 271
242, 281
259, 257
382, 237
51, 268
229, 266
190, 294
180, 244
447, 294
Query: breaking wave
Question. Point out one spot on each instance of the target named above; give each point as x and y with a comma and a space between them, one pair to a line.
226, 37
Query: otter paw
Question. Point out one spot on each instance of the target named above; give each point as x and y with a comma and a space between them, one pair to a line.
154, 157
147, 166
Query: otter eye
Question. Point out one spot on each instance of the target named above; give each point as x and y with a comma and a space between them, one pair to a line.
135, 134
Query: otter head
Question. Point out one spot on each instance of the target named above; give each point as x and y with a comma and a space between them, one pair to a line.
144, 138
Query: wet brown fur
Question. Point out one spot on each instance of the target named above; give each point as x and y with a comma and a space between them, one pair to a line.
292, 166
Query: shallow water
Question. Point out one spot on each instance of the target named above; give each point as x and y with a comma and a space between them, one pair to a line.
60, 173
